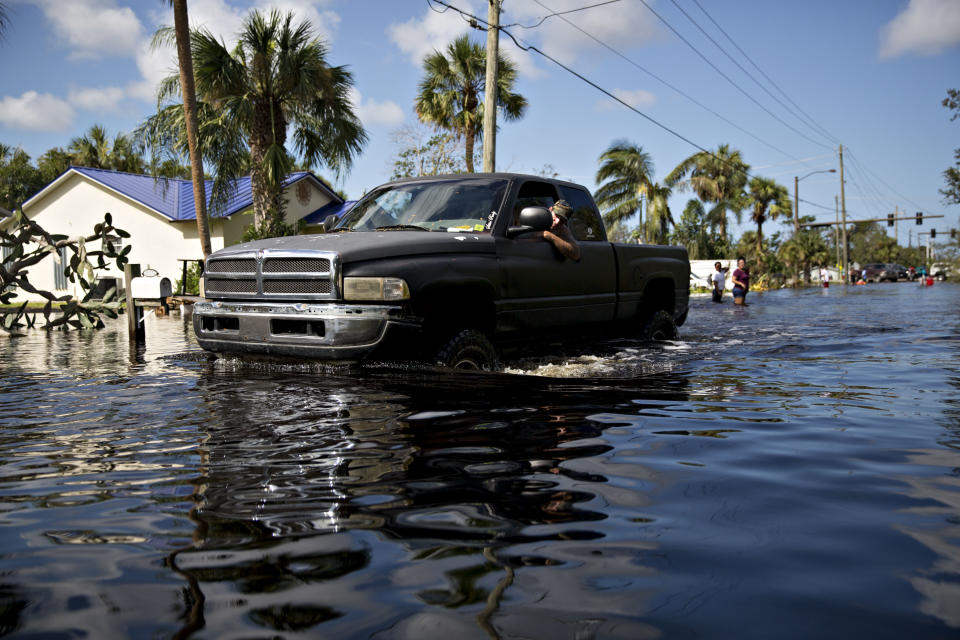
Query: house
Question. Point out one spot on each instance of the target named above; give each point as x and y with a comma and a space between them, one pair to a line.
159, 216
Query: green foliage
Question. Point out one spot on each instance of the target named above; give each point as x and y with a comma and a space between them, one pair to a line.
804, 250
95, 149
951, 194
451, 92
28, 244
441, 153
19, 179
625, 178
274, 80
716, 177
194, 274
695, 233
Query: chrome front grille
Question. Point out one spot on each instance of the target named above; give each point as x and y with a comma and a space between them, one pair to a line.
296, 265
296, 286
231, 286
227, 265
273, 274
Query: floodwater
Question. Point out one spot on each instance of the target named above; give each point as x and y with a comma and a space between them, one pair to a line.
787, 470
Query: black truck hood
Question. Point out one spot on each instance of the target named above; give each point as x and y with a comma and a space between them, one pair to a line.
358, 246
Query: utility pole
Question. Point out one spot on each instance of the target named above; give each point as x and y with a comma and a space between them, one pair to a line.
896, 225
843, 204
836, 231
796, 213
490, 90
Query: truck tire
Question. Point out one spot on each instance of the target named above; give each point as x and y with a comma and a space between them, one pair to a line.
659, 325
468, 349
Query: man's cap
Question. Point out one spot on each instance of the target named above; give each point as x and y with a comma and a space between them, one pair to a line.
562, 209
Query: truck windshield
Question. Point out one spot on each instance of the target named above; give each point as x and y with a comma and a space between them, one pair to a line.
433, 205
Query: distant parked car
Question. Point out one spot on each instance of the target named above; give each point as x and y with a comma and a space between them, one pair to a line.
873, 272
938, 271
896, 272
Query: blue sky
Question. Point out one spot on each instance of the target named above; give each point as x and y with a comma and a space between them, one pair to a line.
870, 74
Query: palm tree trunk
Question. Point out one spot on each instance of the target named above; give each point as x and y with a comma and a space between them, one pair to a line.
182, 29
259, 142
469, 137
759, 239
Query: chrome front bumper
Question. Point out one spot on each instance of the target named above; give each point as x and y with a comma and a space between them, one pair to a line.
327, 331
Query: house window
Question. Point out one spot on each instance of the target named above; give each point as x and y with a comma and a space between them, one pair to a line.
60, 280
116, 241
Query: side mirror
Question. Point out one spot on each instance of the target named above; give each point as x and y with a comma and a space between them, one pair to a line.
531, 219
329, 223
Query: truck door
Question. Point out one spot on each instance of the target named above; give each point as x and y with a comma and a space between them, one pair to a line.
539, 287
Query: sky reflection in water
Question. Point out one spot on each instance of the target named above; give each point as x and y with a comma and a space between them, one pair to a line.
788, 470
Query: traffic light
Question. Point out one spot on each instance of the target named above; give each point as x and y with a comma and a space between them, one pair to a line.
933, 233
889, 219
919, 217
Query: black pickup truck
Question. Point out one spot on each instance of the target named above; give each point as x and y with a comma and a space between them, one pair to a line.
444, 268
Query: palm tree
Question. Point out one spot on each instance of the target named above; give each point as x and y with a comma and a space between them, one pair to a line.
181, 26
4, 20
95, 149
659, 217
92, 149
624, 172
276, 77
803, 250
717, 177
767, 200
451, 91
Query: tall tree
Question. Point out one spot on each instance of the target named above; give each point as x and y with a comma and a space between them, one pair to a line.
716, 177
95, 149
659, 217
451, 92
625, 173
181, 26
951, 195
276, 78
767, 201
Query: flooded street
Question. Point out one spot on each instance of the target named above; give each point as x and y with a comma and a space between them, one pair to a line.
789, 470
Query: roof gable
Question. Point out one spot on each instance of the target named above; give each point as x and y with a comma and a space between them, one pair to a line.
173, 197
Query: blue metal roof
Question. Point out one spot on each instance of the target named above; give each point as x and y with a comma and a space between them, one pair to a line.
173, 197
336, 208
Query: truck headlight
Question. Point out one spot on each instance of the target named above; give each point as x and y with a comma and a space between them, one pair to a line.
375, 289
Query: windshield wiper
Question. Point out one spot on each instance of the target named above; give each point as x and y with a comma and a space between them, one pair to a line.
339, 229
401, 227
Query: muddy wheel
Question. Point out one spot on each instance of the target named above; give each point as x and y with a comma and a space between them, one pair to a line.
469, 349
659, 326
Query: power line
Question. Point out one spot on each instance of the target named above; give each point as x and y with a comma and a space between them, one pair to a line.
667, 84
741, 67
522, 47
557, 13
769, 79
728, 79
894, 191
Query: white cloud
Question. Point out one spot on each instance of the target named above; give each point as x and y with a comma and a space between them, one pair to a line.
93, 28
102, 99
419, 37
37, 112
224, 22
371, 112
925, 26
635, 98
622, 26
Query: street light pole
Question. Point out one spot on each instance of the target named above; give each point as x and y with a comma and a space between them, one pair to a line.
796, 197
843, 205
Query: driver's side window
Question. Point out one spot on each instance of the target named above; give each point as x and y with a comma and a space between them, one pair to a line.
533, 194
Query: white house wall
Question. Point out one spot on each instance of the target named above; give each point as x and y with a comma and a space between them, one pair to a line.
78, 203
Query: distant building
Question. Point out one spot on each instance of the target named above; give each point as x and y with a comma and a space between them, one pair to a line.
159, 215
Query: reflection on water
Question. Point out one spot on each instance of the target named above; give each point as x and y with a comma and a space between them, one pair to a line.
795, 459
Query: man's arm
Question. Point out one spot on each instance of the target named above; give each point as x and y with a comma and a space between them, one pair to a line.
563, 240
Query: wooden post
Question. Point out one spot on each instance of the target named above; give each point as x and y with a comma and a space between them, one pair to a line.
490, 88
135, 327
